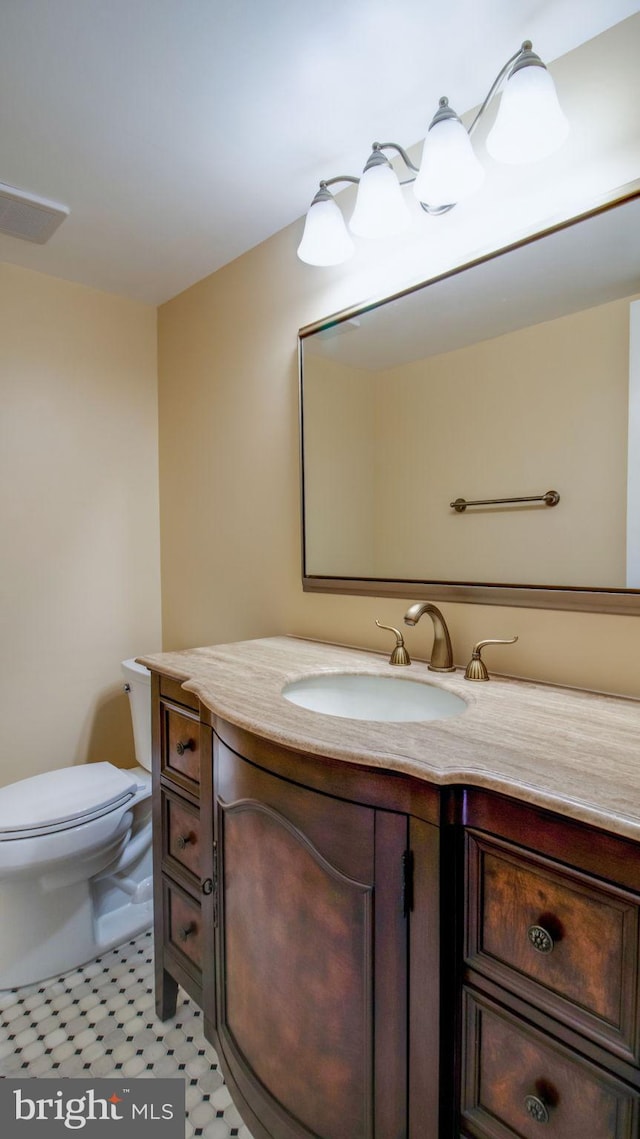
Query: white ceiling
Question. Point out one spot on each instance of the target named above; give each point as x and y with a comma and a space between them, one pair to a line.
183, 132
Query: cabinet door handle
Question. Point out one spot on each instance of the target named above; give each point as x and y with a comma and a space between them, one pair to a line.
185, 931
540, 938
407, 883
207, 886
183, 840
186, 745
536, 1109
215, 883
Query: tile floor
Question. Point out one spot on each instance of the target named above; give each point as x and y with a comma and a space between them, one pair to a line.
100, 1021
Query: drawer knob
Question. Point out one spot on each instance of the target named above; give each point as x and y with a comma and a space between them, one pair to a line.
185, 931
540, 938
536, 1109
187, 745
183, 840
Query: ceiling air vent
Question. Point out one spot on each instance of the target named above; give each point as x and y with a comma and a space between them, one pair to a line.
24, 215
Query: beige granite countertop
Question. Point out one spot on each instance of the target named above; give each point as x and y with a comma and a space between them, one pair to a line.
570, 751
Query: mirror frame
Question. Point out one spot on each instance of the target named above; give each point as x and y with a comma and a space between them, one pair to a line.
577, 598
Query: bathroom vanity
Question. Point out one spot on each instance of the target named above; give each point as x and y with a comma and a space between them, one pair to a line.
401, 930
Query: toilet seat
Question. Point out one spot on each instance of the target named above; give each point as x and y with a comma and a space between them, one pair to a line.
57, 800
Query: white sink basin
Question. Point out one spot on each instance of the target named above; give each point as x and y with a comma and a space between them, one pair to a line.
373, 697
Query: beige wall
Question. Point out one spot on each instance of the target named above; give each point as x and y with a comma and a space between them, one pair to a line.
230, 519
229, 478
80, 527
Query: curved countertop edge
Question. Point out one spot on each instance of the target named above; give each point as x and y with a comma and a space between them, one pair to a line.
564, 750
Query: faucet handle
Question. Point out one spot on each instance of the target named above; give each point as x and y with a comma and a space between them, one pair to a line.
476, 668
399, 654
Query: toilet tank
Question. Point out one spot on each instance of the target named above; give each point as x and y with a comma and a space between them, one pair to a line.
138, 685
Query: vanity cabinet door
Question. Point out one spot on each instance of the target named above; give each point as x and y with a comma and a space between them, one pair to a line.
312, 1018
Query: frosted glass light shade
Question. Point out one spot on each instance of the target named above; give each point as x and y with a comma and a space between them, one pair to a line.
325, 240
449, 170
530, 123
380, 209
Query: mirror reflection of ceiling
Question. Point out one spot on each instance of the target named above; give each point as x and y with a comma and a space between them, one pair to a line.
587, 264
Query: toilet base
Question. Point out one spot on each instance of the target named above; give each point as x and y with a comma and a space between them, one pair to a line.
58, 931
123, 925
52, 931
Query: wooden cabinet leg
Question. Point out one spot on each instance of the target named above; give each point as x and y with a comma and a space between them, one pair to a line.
166, 996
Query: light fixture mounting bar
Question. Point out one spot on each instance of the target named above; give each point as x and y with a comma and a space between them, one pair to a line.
401, 151
338, 178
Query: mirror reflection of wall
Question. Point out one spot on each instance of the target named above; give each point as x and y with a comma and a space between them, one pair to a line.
526, 390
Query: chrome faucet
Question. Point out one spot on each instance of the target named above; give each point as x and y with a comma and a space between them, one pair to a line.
441, 653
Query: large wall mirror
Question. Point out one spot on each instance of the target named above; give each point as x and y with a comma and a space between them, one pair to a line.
510, 378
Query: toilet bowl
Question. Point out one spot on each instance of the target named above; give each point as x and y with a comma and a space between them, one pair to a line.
75, 857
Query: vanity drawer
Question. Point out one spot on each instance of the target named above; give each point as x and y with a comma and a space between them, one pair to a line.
181, 748
184, 925
556, 937
173, 690
181, 835
519, 1084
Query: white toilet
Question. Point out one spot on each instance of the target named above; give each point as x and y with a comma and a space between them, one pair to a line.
75, 857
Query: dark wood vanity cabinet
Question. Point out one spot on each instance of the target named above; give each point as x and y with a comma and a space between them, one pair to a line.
380, 959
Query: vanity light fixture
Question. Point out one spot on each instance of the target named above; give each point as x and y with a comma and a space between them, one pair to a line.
529, 126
